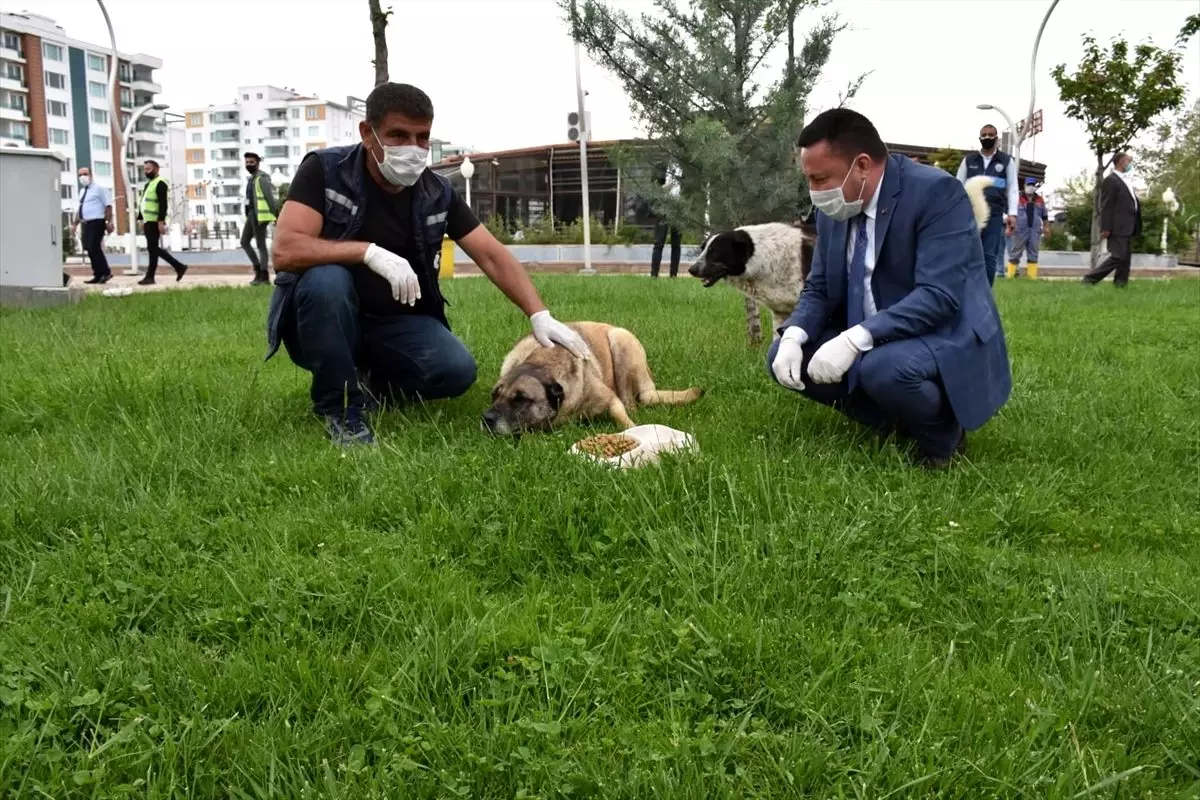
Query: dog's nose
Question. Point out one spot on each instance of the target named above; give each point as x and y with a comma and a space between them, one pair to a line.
490, 418
694, 271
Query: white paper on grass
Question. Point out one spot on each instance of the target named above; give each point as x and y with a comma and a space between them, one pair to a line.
653, 441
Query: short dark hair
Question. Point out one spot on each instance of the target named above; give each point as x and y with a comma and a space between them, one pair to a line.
251, 155
848, 133
990, 125
398, 98
1119, 155
151, 161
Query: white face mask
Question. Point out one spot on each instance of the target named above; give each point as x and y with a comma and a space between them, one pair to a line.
402, 165
833, 204
84, 180
1031, 190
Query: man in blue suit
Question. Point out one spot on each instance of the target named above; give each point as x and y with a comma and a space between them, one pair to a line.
896, 326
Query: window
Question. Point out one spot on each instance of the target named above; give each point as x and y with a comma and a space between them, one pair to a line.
14, 71
13, 42
197, 138
98, 90
14, 130
99, 142
102, 168
296, 150
52, 52
56, 80
247, 141
314, 130
198, 174
56, 108
259, 122
295, 131
13, 100
195, 120
97, 62
246, 124
295, 113
126, 98
65, 191
99, 116
59, 136
312, 112
245, 97
260, 95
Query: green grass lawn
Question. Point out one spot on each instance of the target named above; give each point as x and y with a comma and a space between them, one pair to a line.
200, 597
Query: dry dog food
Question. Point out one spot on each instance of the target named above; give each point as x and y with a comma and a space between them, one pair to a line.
607, 445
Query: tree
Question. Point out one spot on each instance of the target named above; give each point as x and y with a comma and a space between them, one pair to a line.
379, 21
695, 73
1117, 98
948, 159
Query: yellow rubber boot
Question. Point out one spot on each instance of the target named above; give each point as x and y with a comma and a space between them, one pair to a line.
1011, 270
1031, 270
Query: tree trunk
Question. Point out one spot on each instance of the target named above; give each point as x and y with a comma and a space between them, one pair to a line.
378, 25
1095, 250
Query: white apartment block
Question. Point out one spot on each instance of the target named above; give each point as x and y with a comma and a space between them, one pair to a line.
54, 94
278, 124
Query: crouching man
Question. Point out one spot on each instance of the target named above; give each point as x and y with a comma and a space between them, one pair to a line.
896, 326
356, 299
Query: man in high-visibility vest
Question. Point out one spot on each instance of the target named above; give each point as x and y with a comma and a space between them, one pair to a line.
152, 211
261, 211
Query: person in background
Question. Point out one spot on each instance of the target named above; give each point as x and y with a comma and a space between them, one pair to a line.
261, 210
152, 211
1001, 196
95, 212
670, 182
1032, 224
1120, 221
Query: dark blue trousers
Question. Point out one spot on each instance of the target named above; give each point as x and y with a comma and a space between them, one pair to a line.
899, 387
992, 237
396, 357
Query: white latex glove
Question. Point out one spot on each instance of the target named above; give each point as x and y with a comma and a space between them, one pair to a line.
833, 359
549, 332
396, 271
789, 358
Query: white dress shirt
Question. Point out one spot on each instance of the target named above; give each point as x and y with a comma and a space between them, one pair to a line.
1124, 176
1010, 178
869, 309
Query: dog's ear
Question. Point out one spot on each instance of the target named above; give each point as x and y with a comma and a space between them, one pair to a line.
554, 394
742, 247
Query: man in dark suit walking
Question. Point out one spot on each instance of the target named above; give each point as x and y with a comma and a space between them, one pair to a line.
1120, 221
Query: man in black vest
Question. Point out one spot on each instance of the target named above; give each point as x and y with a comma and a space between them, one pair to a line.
1120, 221
357, 301
1001, 196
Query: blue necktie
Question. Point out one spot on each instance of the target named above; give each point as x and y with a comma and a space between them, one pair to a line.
855, 287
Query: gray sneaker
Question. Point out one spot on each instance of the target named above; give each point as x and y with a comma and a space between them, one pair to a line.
349, 428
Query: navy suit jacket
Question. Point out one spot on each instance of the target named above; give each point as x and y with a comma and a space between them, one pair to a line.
929, 283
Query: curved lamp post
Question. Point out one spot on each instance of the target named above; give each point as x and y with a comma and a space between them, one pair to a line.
130, 189
467, 169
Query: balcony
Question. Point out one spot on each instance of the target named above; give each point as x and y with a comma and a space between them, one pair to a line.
223, 118
12, 84
225, 137
277, 115
15, 114
226, 154
8, 54
275, 152
143, 81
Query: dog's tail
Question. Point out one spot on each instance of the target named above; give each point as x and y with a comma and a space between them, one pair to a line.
975, 187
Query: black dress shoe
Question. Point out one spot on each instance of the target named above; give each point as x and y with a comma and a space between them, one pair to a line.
179, 272
105, 278
943, 462
146, 281
94, 280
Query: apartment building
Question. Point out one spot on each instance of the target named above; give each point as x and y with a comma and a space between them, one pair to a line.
280, 125
54, 94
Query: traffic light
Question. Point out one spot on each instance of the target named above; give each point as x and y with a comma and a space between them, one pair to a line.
575, 130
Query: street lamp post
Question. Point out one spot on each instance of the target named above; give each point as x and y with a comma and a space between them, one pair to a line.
468, 171
584, 133
1168, 198
131, 190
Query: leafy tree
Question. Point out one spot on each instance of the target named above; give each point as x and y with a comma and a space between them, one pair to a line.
696, 73
948, 159
379, 21
1117, 92
1173, 160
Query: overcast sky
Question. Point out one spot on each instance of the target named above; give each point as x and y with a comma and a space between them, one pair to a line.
501, 72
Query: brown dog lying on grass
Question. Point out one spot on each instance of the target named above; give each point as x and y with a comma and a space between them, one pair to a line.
543, 387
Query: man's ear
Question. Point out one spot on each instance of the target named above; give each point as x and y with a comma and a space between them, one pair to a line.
555, 393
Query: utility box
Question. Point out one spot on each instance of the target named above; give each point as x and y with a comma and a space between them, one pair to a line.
31, 256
